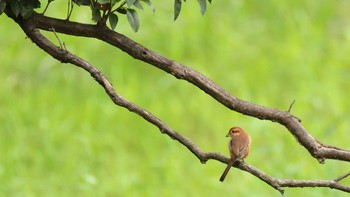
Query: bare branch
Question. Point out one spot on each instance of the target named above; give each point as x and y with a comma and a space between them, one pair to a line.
314, 183
317, 149
342, 177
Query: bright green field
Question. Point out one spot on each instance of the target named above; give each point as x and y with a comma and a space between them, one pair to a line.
60, 135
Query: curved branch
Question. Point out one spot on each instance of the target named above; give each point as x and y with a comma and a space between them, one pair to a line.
315, 148
29, 27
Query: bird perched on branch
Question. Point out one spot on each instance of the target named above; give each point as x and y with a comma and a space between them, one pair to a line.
239, 147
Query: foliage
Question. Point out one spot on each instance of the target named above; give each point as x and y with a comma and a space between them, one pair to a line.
101, 10
20, 7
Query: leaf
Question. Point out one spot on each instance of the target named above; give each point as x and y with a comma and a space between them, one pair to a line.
130, 2
138, 5
36, 3
96, 14
27, 7
203, 4
177, 9
82, 2
113, 2
2, 6
113, 20
103, 6
30, 3
133, 19
121, 10
26, 11
148, 2
103, 1
15, 7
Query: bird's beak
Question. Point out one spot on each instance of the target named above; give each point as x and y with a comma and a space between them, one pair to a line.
227, 135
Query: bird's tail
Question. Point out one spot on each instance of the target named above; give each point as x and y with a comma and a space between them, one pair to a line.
229, 165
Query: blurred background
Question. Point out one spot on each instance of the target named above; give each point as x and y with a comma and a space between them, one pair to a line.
60, 134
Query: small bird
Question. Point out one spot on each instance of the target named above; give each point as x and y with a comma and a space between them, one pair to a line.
239, 147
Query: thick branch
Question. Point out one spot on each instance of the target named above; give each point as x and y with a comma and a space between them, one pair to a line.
315, 148
192, 76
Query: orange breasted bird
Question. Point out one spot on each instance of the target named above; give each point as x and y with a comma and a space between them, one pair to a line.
239, 147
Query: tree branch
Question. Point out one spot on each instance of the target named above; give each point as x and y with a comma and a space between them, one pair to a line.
315, 148
334, 184
318, 150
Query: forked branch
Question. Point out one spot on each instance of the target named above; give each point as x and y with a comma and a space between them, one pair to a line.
31, 28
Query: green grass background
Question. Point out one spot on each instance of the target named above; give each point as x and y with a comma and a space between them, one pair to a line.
60, 135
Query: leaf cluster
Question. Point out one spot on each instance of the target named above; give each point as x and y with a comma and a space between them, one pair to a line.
101, 10
19, 7
178, 5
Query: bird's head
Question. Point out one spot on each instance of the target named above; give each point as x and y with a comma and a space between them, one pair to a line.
234, 131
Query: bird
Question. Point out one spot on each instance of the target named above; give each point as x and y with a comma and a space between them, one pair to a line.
239, 147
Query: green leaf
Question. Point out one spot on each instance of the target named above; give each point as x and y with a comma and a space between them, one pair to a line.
82, 2
96, 14
148, 2
130, 2
30, 3
15, 7
27, 7
103, 1
2, 6
35, 3
203, 4
113, 2
138, 5
177, 9
26, 11
121, 10
133, 19
113, 20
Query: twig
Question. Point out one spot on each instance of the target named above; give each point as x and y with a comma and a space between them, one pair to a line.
69, 9
62, 45
342, 177
119, 7
47, 6
290, 106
